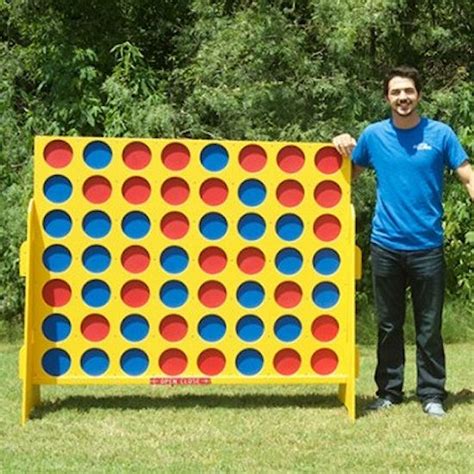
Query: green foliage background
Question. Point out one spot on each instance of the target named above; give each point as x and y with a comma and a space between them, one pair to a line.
270, 70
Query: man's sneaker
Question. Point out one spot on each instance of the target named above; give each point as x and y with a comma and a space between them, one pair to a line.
434, 408
380, 403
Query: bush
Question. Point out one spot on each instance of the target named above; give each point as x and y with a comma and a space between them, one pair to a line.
280, 70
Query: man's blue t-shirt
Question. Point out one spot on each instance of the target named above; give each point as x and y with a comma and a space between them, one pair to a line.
409, 166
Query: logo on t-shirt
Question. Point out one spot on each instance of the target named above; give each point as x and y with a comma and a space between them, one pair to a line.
423, 146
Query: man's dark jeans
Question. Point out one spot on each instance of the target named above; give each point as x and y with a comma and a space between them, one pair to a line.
422, 271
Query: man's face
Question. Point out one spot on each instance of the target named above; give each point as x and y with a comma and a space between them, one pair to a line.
402, 96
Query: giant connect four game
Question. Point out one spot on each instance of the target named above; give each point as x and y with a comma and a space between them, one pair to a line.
153, 261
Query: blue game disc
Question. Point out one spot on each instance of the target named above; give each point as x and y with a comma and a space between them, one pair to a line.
250, 328
56, 362
251, 227
250, 294
94, 362
214, 157
56, 327
289, 261
97, 155
213, 226
57, 224
212, 328
96, 293
134, 362
289, 227
96, 259
96, 224
249, 362
57, 189
325, 295
136, 225
174, 294
326, 261
174, 259
57, 258
287, 328
134, 328
252, 192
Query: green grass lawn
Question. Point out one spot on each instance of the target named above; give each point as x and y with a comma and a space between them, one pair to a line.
235, 429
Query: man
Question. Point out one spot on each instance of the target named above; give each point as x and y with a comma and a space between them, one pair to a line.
408, 154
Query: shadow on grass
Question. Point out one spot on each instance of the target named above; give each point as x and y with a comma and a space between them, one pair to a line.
464, 396
84, 404
250, 401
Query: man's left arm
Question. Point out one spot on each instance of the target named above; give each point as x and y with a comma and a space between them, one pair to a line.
466, 176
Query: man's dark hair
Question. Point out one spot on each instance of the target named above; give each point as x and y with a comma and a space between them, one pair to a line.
402, 71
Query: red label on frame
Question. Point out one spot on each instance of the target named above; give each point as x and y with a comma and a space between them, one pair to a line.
180, 381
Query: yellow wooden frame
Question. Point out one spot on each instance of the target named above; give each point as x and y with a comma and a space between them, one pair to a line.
35, 344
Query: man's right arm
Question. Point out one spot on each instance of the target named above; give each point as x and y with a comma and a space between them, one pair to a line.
344, 144
466, 176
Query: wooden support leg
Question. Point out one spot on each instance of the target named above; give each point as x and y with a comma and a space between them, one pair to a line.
347, 397
31, 392
31, 399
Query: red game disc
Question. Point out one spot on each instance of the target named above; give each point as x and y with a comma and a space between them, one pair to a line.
212, 294
290, 193
136, 190
95, 327
290, 159
174, 225
213, 260
175, 156
211, 362
324, 361
327, 227
173, 362
252, 158
136, 156
325, 328
251, 260
135, 259
173, 327
175, 191
287, 361
288, 294
56, 293
57, 154
97, 189
135, 293
213, 191
328, 160
327, 194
